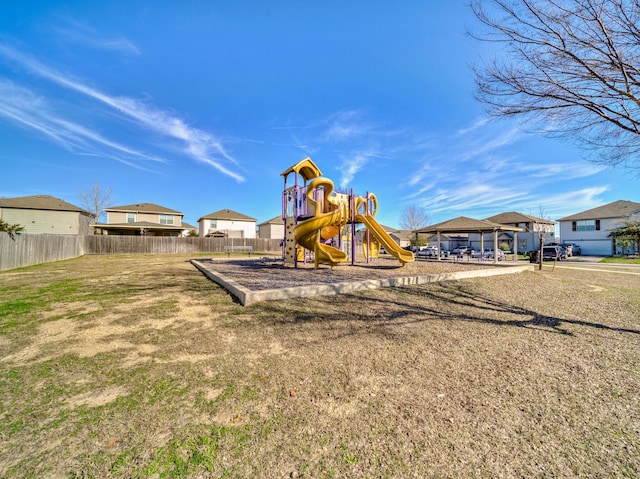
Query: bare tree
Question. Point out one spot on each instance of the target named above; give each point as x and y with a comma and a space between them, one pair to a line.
569, 67
541, 227
413, 219
95, 199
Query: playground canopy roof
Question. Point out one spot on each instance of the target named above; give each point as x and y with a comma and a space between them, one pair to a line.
305, 168
462, 224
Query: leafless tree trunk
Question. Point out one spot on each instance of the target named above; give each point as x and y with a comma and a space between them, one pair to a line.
95, 199
413, 219
540, 228
571, 68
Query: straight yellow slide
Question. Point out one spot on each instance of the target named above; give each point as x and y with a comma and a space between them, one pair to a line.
385, 240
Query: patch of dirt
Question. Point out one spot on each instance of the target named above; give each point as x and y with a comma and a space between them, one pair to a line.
97, 398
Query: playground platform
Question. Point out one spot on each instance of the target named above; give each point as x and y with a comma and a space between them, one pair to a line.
267, 279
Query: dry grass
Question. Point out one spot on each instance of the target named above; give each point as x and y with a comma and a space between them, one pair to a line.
140, 367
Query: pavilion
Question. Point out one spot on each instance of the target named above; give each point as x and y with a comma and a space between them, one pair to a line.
463, 224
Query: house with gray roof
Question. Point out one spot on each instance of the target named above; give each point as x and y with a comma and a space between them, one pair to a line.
44, 214
142, 219
532, 228
590, 228
272, 229
227, 224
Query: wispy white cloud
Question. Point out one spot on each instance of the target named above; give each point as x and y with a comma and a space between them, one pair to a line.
198, 144
82, 34
25, 108
351, 165
346, 126
476, 125
484, 144
568, 202
566, 171
479, 171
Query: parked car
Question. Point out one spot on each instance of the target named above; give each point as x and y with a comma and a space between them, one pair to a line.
431, 252
382, 250
575, 248
566, 250
461, 250
488, 254
428, 252
551, 253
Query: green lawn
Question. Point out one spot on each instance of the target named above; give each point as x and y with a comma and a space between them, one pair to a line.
139, 367
620, 260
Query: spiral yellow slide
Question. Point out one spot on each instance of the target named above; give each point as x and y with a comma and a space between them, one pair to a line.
307, 233
385, 240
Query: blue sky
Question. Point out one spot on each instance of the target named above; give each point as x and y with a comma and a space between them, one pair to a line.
199, 106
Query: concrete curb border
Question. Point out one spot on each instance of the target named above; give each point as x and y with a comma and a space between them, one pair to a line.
248, 297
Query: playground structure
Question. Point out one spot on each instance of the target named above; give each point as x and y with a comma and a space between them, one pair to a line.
321, 222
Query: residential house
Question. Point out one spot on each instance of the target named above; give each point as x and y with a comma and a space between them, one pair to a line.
401, 237
227, 224
272, 229
448, 242
590, 229
43, 214
529, 238
189, 230
139, 219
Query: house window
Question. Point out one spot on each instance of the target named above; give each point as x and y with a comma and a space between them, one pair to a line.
166, 219
131, 217
585, 225
213, 224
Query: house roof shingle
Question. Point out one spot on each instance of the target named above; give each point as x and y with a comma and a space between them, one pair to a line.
403, 234
616, 209
463, 224
143, 208
513, 217
226, 215
40, 202
276, 220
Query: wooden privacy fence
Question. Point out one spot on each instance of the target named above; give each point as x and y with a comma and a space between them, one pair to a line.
99, 244
18, 251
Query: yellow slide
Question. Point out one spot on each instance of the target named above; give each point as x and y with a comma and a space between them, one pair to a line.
307, 233
385, 240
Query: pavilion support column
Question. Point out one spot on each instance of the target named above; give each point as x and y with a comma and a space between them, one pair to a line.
495, 246
515, 246
481, 244
439, 253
